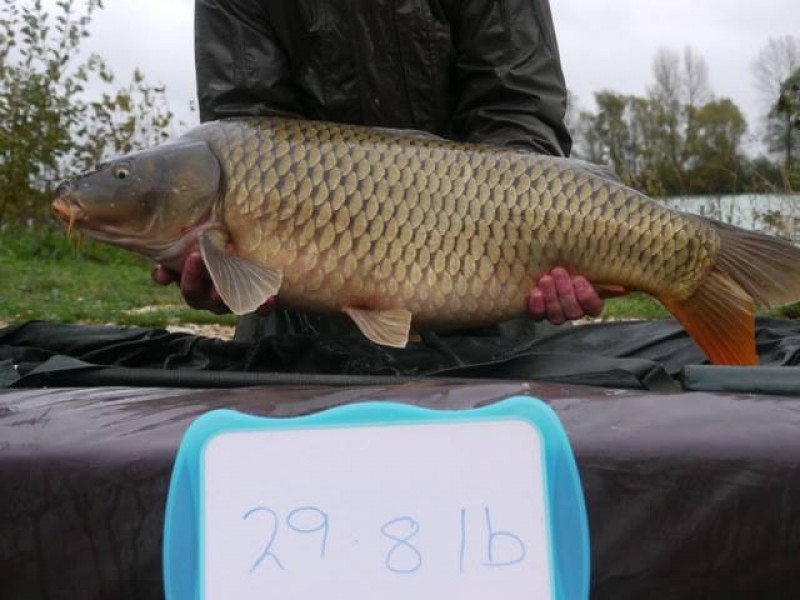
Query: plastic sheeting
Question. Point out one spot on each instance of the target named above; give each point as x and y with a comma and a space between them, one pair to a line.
655, 355
690, 495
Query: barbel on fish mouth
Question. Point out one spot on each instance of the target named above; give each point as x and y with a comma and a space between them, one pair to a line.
396, 227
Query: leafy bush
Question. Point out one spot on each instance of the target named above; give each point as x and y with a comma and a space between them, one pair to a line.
49, 126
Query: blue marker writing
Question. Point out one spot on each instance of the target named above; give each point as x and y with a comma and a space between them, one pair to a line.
297, 515
402, 544
267, 553
496, 537
463, 549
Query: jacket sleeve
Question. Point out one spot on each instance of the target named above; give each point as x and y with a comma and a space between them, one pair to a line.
510, 88
241, 68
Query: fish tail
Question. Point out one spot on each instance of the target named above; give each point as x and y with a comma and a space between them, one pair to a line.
751, 269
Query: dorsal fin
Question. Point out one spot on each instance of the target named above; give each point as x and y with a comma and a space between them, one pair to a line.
596, 169
409, 133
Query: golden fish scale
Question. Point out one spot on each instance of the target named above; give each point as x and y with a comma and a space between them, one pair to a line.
454, 233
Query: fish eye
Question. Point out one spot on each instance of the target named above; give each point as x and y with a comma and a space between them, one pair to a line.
121, 172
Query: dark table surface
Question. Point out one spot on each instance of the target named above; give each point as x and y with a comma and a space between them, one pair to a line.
689, 494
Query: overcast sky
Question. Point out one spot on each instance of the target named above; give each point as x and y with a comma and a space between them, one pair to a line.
605, 44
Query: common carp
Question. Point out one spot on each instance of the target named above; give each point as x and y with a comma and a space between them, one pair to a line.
398, 228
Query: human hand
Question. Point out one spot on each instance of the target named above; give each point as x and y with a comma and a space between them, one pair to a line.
197, 288
559, 297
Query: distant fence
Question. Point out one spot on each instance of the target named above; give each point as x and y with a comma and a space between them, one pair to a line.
776, 214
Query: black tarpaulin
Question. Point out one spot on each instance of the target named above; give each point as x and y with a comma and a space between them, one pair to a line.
689, 494
656, 355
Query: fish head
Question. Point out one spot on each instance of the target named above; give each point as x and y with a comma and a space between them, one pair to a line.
148, 201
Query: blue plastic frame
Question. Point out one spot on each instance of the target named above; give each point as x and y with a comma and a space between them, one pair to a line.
569, 530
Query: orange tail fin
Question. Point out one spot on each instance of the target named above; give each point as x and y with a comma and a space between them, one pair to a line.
720, 319
750, 268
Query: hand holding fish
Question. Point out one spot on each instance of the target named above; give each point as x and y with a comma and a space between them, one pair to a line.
197, 288
557, 296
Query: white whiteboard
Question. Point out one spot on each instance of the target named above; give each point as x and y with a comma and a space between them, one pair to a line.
432, 510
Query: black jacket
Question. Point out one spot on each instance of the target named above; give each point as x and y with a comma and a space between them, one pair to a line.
469, 70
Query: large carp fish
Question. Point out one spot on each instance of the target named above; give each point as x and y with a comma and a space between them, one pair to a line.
396, 228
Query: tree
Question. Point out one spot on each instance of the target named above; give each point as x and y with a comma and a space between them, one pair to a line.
714, 164
680, 80
677, 139
608, 133
681, 87
789, 99
48, 126
786, 112
776, 62
621, 134
773, 69
695, 85
653, 142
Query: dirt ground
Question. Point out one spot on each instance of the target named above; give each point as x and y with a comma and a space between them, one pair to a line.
224, 332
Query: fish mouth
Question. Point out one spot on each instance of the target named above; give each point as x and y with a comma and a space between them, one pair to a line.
69, 209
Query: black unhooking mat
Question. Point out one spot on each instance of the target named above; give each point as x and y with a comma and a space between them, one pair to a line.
656, 355
690, 494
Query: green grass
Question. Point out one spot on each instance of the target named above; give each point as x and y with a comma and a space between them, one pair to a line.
642, 306
634, 306
47, 277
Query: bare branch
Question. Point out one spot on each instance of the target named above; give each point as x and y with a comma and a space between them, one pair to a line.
775, 63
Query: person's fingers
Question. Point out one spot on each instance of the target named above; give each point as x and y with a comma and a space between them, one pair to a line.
164, 276
587, 297
565, 289
195, 283
536, 307
213, 295
552, 304
214, 301
268, 306
199, 292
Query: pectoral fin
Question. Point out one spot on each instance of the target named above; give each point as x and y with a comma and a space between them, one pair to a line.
385, 327
242, 285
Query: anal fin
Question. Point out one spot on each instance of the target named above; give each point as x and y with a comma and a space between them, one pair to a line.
242, 285
720, 318
385, 327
